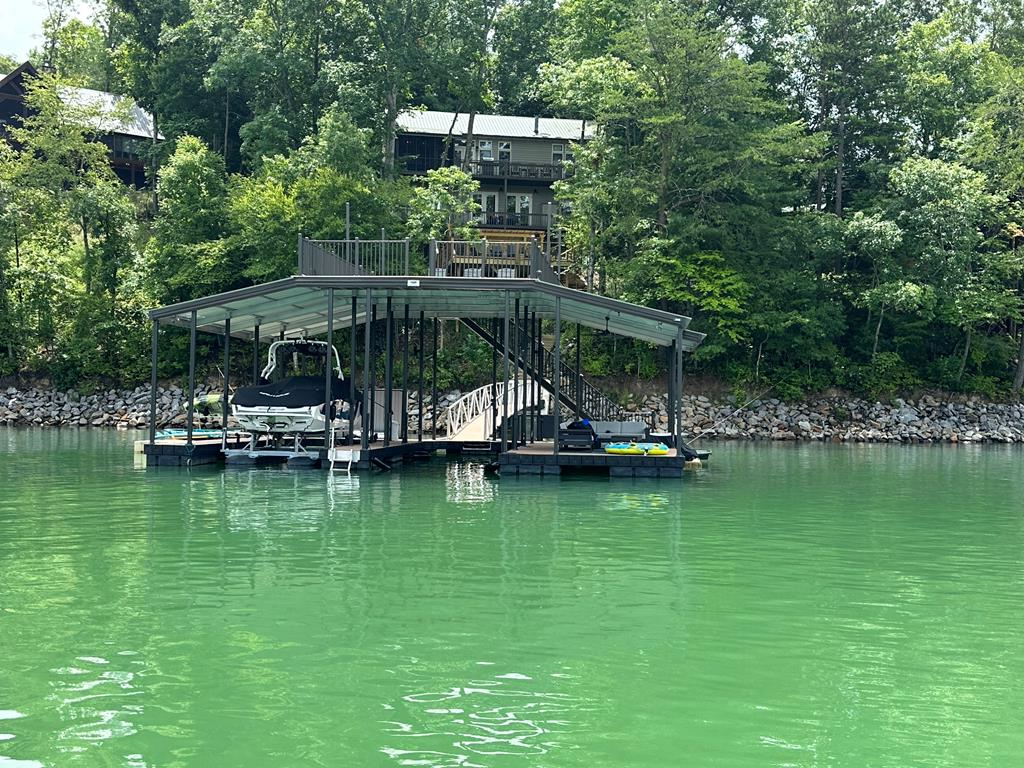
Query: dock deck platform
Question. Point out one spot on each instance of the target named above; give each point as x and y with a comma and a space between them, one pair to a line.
540, 459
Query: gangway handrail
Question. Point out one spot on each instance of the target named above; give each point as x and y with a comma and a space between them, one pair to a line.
481, 401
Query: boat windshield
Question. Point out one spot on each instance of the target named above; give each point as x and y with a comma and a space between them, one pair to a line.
298, 358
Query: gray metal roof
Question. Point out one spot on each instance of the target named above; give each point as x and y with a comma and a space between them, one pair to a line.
118, 114
511, 126
298, 306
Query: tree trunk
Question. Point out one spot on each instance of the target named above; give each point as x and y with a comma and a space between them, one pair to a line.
840, 160
1018, 379
87, 267
227, 101
663, 172
447, 145
469, 140
390, 129
963, 358
878, 328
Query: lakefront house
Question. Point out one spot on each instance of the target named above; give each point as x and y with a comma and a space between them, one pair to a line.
124, 127
515, 158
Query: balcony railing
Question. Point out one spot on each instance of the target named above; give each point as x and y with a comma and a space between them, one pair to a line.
495, 169
507, 169
503, 220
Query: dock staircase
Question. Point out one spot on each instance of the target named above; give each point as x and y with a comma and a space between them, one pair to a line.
575, 393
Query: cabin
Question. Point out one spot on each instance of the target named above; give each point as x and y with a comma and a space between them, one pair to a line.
125, 128
515, 158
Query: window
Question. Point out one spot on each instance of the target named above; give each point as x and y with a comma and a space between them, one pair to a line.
485, 149
488, 202
504, 151
517, 204
561, 153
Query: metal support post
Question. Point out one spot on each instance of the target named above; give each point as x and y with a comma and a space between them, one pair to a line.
524, 347
557, 367
538, 368
679, 388
494, 378
433, 383
419, 386
225, 395
504, 387
389, 360
372, 353
579, 374
367, 345
191, 378
516, 340
671, 404
352, 370
404, 429
152, 383
329, 374
256, 353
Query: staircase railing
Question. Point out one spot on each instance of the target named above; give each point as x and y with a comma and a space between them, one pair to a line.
573, 388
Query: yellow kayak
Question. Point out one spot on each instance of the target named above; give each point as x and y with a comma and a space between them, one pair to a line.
637, 449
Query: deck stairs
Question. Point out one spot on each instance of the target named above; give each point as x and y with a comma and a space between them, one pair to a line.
573, 387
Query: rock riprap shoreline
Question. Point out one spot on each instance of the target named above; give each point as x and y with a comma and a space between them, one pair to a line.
836, 419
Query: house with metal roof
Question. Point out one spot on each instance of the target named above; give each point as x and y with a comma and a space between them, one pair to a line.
122, 125
515, 158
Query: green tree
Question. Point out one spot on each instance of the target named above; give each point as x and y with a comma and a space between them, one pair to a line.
443, 208
188, 255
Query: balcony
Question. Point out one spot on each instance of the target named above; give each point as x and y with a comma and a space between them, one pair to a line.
502, 220
545, 173
506, 169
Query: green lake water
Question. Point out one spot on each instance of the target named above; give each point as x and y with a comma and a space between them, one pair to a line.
788, 606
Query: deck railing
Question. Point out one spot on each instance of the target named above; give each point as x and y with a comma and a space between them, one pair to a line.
446, 258
354, 257
492, 169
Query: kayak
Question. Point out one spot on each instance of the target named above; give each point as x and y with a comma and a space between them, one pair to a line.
637, 449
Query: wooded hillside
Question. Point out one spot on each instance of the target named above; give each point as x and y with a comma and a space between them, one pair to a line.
831, 188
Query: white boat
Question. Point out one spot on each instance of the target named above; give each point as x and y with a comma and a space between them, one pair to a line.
294, 404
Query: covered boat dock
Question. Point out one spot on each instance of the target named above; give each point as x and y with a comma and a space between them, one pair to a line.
384, 321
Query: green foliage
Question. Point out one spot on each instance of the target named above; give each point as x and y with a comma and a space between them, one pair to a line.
887, 374
443, 207
831, 189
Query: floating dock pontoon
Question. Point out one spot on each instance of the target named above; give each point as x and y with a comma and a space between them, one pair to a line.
371, 294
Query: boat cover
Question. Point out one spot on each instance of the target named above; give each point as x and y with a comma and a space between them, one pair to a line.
293, 392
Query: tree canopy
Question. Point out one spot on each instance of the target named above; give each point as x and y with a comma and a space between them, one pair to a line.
833, 189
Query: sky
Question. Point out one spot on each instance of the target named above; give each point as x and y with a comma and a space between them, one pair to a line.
22, 24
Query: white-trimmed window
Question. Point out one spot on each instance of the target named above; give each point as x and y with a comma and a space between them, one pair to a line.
484, 149
561, 153
504, 151
517, 204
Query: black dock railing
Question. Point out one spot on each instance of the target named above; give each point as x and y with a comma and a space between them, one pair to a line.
574, 391
327, 258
